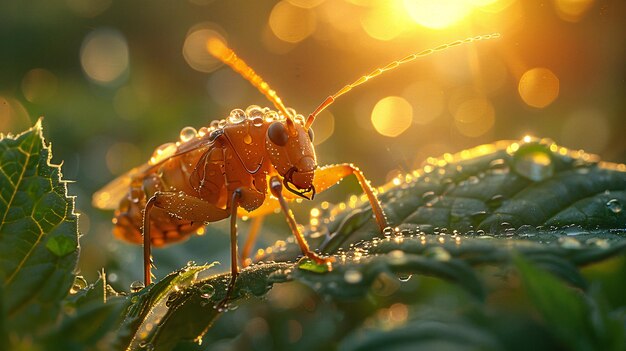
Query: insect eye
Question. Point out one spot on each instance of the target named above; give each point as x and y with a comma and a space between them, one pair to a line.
311, 134
277, 134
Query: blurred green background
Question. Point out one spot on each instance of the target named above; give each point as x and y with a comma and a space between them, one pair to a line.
115, 79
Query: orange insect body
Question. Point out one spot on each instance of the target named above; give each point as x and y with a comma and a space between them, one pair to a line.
230, 169
212, 163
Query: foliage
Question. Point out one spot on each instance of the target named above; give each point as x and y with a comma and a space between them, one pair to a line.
488, 251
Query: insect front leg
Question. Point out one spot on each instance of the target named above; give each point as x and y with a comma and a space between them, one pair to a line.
327, 176
181, 205
277, 190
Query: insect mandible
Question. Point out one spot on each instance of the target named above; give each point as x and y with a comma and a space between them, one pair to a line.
230, 168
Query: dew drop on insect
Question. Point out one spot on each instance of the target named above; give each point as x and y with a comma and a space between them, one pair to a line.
300, 119
270, 116
136, 286
187, 134
352, 276
291, 111
247, 139
237, 116
257, 121
162, 152
207, 291
614, 206
214, 125
254, 111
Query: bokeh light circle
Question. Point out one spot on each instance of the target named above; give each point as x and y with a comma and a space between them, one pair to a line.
195, 50
104, 55
392, 116
291, 23
538, 87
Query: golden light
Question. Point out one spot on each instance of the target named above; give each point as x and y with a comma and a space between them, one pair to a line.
323, 127
437, 14
538, 87
104, 55
305, 4
474, 117
291, 23
88, 8
195, 47
427, 99
39, 85
13, 115
392, 116
121, 157
572, 10
386, 20
587, 129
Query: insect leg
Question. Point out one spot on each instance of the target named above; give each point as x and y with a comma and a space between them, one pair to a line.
180, 205
277, 187
255, 227
327, 176
234, 268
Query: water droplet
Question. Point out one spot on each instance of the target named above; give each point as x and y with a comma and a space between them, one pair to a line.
254, 111
270, 116
498, 166
614, 206
163, 152
80, 283
569, 242
172, 298
438, 253
300, 119
405, 277
136, 286
428, 196
387, 231
473, 180
207, 291
526, 231
188, 133
535, 165
257, 121
237, 116
353, 276
495, 201
247, 139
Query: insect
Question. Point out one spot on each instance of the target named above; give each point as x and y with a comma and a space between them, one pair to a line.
250, 163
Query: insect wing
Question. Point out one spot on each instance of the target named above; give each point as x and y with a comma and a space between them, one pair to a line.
109, 197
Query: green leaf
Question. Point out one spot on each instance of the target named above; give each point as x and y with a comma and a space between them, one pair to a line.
455, 218
566, 311
38, 233
90, 317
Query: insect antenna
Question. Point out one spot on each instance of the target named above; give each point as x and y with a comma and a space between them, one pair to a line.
218, 48
329, 100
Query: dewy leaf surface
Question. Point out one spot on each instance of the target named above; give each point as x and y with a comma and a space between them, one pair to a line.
38, 233
556, 208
